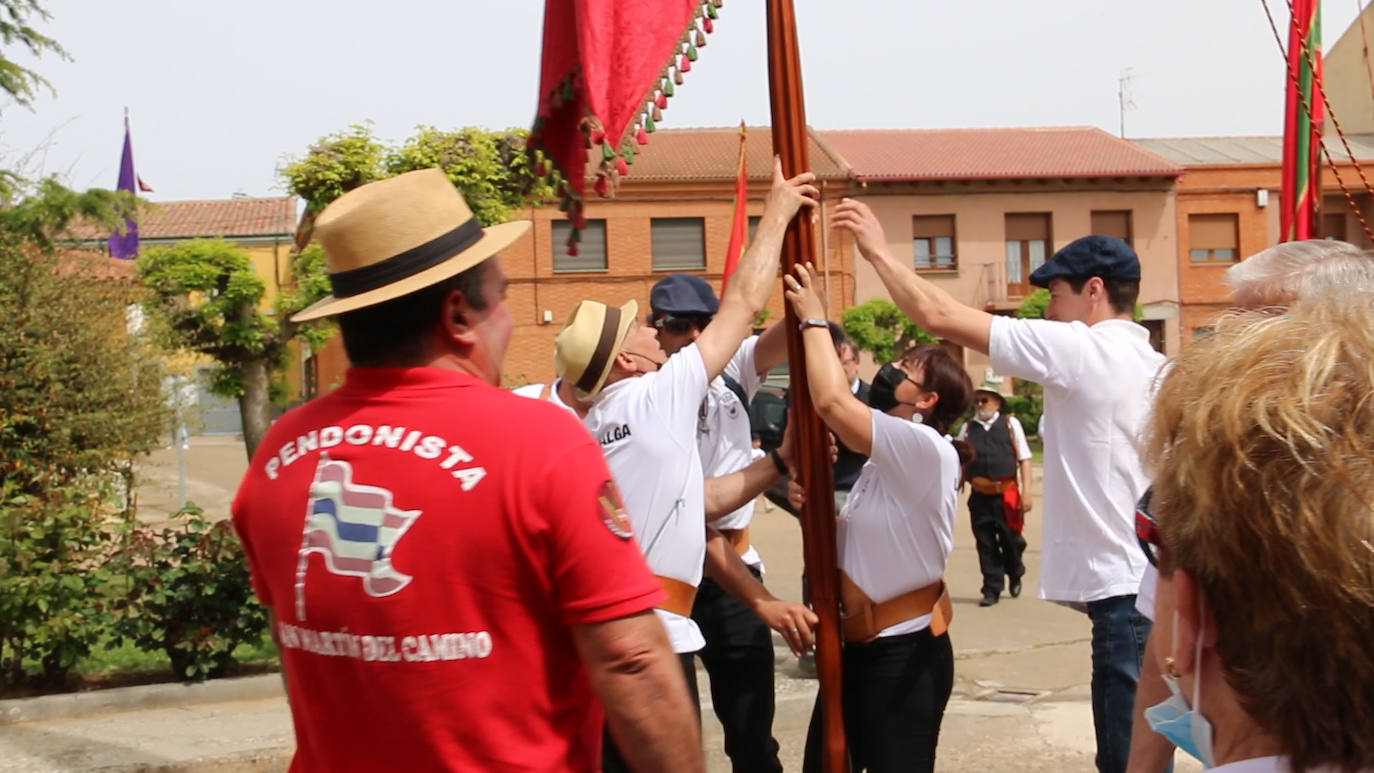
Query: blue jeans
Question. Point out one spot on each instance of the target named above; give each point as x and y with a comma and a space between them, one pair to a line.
1119, 634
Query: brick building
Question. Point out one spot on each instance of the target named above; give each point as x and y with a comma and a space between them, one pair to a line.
1227, 205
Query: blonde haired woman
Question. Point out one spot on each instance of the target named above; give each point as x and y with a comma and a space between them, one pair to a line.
1262, 524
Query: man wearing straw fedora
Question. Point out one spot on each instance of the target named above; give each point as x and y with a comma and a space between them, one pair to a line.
451, 575
643, 407
998, 505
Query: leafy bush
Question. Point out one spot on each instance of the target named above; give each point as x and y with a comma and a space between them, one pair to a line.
878, 326
54, 581
190, 594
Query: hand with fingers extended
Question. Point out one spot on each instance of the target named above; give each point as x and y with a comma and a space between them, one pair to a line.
795, 622
801, 293
788, 195
856, 218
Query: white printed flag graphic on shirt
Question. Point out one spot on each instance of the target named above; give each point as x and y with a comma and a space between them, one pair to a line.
355, 528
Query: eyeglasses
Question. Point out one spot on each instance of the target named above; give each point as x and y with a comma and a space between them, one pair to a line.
1146, 532
983, 400
670, 323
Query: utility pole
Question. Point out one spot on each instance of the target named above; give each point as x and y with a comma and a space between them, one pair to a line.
1124, 97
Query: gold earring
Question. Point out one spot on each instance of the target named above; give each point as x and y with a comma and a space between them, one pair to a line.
1171, 669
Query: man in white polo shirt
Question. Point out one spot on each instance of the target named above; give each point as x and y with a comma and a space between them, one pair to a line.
738, 654
1098, 371
644, 409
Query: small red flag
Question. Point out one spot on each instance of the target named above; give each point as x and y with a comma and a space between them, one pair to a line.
739, 230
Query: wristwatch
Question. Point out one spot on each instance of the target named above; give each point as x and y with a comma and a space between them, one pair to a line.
778, 462
804, 324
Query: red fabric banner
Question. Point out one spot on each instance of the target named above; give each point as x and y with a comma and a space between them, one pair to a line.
607, 70
739, 229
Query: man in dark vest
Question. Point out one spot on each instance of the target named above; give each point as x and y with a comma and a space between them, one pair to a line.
998, 504
849, 463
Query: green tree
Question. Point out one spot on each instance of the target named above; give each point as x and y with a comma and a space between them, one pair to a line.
491, 168
207, 298
1034, 305
16, 17
878, 326
81, 396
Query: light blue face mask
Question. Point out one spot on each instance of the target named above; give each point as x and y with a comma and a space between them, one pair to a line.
1184, 725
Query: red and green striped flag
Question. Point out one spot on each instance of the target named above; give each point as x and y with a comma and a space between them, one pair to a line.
1304, 110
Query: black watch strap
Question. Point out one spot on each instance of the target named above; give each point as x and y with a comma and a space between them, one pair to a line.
778, 462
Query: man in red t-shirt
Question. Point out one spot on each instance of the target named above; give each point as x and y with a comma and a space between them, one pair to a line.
452, 578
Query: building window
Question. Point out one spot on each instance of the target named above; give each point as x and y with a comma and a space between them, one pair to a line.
679, 243
1333, 225
1213, 238
932, 239
1113, 222
1028, 244
753, 228
591, 249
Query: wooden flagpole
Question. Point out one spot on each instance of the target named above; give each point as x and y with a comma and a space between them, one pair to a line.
814, 467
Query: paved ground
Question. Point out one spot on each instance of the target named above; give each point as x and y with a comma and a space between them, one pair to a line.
1020, 700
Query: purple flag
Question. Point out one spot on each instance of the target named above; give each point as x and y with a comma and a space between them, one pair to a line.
125, 246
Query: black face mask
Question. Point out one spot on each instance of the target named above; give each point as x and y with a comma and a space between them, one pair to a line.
882, 395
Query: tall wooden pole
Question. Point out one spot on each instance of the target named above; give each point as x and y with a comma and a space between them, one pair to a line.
818, 515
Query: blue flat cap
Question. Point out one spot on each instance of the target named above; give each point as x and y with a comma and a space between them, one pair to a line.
1102, 256
683, 294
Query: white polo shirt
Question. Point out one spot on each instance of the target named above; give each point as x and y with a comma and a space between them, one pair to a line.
647, 427
724, 436
1018, 434
537, 390
897, 529
1099, 383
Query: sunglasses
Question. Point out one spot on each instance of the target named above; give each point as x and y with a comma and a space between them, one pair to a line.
669, 323
1146, 532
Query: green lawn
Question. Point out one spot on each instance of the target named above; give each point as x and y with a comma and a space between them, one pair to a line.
127, 658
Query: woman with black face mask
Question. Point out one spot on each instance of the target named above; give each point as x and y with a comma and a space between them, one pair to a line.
895, 536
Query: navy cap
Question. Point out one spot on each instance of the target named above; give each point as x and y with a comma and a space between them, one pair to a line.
685, 294
1102, 256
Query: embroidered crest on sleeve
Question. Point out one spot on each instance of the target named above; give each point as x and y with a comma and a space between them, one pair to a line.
355, 528
613, 511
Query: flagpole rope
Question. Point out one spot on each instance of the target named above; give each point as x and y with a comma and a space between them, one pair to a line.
1307, 108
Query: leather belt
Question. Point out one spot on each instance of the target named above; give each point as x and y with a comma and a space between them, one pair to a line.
864, 620
738, 539
680, 596
992, 487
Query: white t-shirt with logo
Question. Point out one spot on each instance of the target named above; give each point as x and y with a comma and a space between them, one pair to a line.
537, 390
897, 529
1099, 383
647, 427
725, 438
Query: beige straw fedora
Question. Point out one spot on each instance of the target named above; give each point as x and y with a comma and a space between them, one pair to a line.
392, 237
586, 347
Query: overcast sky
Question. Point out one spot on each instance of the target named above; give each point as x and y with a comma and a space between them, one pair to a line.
221, 92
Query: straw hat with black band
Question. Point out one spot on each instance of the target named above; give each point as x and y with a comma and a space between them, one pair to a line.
585, 348
392, 237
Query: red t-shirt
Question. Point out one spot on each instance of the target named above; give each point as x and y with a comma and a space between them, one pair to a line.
424, 540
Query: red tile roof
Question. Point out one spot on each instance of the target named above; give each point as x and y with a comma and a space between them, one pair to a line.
713, 154
228, 218
988, 154
905, 154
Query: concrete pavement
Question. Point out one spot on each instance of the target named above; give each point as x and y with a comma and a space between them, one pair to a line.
1021, 697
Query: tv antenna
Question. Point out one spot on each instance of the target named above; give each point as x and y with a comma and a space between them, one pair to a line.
1125, 96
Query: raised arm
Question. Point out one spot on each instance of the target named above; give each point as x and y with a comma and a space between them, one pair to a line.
843, 412
926, 304
752, 281
727, 493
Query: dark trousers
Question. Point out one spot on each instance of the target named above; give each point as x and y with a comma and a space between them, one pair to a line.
611, 761
895, 692
999, 548
738, 657
1119, 634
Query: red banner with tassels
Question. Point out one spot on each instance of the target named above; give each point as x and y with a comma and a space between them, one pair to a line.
608, 69
739, 229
